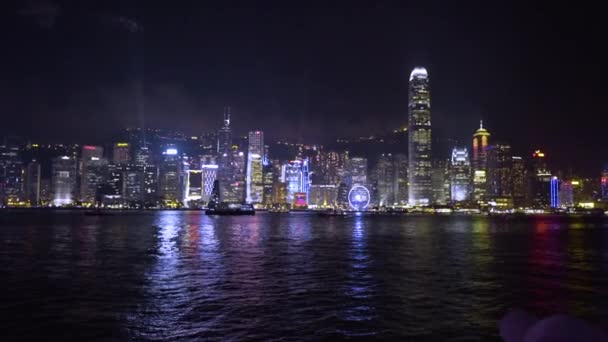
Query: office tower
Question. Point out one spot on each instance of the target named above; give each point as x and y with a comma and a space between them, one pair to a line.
604, 184
384, 174
133, 185
342, 200
460, 175
269, 178
93, 175
171, 177
232, 176
331, 167
279, 193
419, 138
356, 171
499, 175
121, 153
292, 176
90, 179
63, 182
480, 162
554, 192
224, 135
208, 143
566, 193
323, 196
110, 192
11, 175
215, 195
518, 181
209, 169
255, 181
400, 183
193, 192
540, 181
440, 182
32, 183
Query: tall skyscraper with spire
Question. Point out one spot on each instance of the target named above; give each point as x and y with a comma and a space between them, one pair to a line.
419, 139
480, 162
224, 135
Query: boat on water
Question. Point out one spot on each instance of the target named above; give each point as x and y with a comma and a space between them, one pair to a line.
231, 209
332, 212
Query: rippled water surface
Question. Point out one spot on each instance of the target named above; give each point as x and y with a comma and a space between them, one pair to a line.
186, 276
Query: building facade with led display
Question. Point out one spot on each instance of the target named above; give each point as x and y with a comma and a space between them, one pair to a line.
63, 181
255, 180
480, 163
419, 138
460, 175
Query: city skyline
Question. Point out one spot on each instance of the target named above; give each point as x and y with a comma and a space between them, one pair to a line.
526, 87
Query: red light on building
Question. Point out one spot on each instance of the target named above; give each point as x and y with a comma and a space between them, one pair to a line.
90, 148
299, 200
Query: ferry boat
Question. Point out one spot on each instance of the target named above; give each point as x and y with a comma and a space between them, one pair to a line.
231, 209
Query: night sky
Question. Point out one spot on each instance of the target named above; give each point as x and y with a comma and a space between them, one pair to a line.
536, 75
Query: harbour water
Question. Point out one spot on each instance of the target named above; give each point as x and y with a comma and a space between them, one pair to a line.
178, 275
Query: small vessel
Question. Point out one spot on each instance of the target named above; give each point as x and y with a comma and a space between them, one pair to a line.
231, 209
332, 212
278, 210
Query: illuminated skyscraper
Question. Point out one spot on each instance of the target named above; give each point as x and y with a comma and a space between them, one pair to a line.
440, 181
93, 175
384, 174
604, 183
121, 153
356, 171
518, 181
499, 174
11, 174
32, 183
460, 175
296, 177
171, 177
540, 181
224, 135
480, 162
255, 154
554, 192
63, 183
419, 138
400, 184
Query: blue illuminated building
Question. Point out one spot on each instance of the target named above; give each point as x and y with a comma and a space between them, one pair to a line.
554, 192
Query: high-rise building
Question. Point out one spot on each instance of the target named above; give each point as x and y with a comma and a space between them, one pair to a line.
400, 183
93, 175
480, 162
121, 153
356, 171
566, 193
232, 176
604, 183
518, 181
499, 174
224, 135
292, 176
384, 176
269, 178
255, 181
193, 191
460, 175
63, 183
209, 168
32, 183
171, 177
554, 192
440, 181
329, 167
133, 185
419, 138
11, 175
540, 181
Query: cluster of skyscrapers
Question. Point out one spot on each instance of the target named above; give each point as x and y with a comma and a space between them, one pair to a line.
152, 168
